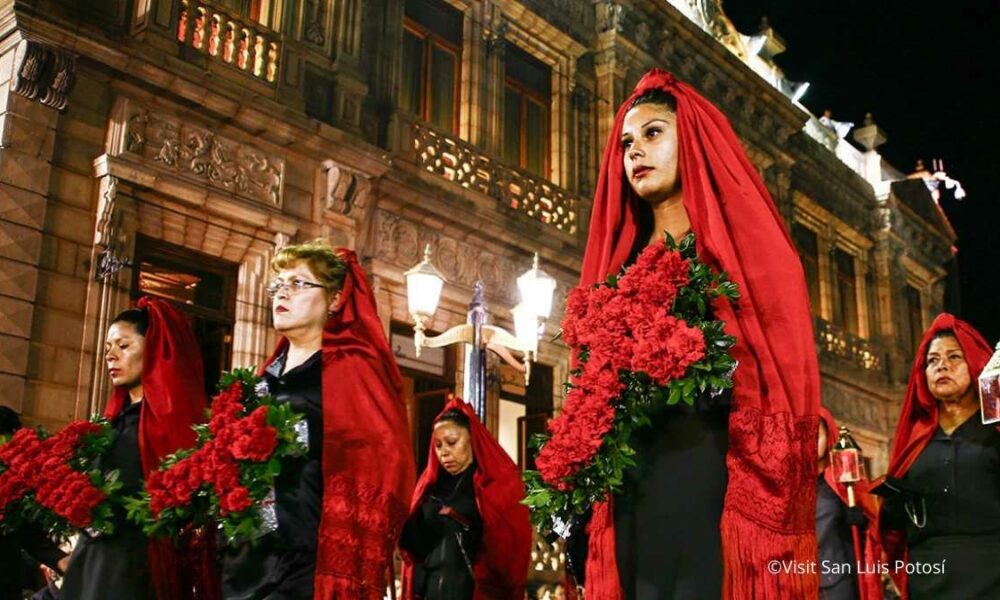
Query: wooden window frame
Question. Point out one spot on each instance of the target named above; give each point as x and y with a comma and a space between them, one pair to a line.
838, 278
431, 39
546, 104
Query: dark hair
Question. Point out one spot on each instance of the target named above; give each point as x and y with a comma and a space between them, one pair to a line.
943, 334
9, 421
453, 415
656, 96
136, 317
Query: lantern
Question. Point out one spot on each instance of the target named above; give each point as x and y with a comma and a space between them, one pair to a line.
989, 389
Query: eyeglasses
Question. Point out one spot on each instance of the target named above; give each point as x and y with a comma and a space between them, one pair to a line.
294, 286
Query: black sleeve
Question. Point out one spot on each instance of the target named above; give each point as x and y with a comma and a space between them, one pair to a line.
893, 514
422, 532
41, 548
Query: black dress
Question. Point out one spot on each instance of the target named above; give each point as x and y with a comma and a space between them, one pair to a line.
114, 565
957, 523
667, 517
837, 571
445, 546
282, 564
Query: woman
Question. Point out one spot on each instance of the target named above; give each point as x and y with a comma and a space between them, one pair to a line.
944, 521
862, 578
340, 508
156, 369
468, 535
733, 479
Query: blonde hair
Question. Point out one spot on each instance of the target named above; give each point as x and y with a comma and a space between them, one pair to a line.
321, 259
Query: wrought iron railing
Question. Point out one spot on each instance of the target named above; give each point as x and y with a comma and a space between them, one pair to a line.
231, 39
833, 340
462, 163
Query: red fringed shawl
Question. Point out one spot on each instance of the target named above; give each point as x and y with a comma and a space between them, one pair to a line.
770, 501
368, 468
918, 419
501, 567
173, 400
869, 578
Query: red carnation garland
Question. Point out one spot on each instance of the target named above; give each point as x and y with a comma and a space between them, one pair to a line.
228, 477
644, 340
52, 480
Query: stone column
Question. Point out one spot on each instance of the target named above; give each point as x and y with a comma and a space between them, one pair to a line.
34, 81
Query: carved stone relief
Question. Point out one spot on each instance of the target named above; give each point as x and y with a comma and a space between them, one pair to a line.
401, 242
200, 153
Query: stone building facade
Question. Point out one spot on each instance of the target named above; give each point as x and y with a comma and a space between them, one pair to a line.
169, 146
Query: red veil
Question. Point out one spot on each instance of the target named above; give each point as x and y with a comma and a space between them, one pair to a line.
770, 501
501, 567
918, 419
870, 578
174, 400
367, 464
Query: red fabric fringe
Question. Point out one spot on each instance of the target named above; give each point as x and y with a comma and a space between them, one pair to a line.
602, 582
749, 551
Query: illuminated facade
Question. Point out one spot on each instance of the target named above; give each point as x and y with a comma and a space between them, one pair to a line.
169, 146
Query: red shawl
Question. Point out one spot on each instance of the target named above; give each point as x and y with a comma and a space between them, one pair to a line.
870, 579
173, 400
918, 419
367, 464
501, 567
770, 500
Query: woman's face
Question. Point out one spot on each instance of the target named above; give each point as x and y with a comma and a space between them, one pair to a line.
649, 139
302, 310
452, 446
123, 352
948, 375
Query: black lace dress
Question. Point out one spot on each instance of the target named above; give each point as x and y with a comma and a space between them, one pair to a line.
282, 564
114, 565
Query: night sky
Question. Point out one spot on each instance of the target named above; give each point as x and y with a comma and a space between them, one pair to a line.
926, 76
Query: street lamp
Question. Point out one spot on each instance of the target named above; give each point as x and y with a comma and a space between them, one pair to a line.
423, 292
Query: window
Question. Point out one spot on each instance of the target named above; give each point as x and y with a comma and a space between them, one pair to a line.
915, 315
202, 286
265, 12
808, 246
527, 98
431, 57
846, 314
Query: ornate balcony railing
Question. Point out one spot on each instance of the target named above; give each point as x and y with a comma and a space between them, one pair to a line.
460, 162
832, 340
228, 38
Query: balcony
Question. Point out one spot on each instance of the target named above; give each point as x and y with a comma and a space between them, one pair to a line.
462, 163
230, 39
833, 342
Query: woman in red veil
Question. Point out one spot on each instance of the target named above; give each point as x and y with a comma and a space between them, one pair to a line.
725, 487
482, 513
340, 508
155, 365
941, 513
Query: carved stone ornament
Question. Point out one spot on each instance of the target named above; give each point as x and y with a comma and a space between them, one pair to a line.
199, 153
44, 73
347, 192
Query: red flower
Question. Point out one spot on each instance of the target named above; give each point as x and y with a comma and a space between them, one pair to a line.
628, 327
236, 500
